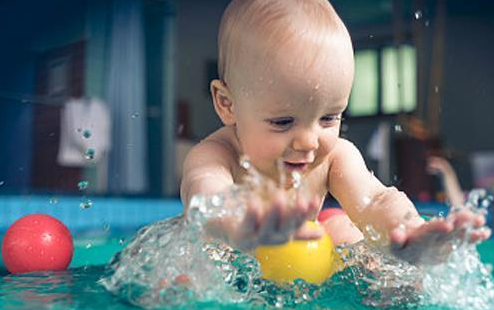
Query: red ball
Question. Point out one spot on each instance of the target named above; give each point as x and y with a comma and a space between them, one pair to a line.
325, 214
37, 242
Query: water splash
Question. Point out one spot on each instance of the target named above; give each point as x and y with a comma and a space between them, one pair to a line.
86, 203
461, 282
82, 185
89, 154
86, 134
418, 14
170, 263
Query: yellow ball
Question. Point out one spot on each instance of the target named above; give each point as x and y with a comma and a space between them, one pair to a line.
311, 260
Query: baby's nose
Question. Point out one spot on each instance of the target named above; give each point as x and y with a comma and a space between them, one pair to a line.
306, 140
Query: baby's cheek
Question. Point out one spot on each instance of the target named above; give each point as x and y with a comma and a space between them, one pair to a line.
267, 151
328, 143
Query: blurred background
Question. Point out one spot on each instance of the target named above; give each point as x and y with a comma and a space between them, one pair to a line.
103, 98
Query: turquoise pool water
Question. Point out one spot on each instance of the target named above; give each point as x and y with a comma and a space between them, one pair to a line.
78, 288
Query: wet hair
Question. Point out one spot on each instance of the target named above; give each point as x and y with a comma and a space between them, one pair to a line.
276, 23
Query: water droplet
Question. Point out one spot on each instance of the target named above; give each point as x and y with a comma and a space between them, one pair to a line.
371, 36
86, 203
398, 128
217, 200
418, 15
317, 86
82, 185
89, 154
121, 241
106, 226
135, 115
427, 22
88, 245
297, 179
53, 200
245, 163
180, 129
366, 200
372, 233
2, 183
436, 89
86, 133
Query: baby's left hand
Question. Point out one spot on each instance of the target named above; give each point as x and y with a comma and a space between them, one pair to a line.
431, 242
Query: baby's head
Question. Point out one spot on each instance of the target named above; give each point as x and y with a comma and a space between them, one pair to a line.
280, 55
264, 35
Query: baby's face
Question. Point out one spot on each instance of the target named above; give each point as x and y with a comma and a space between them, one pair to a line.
290, 108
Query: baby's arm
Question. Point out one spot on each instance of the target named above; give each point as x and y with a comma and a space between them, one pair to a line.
208, 169
365, 199
390, 213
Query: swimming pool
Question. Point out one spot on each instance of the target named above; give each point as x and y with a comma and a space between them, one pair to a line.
102, 233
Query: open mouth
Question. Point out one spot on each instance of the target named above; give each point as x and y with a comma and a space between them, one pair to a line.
295, 166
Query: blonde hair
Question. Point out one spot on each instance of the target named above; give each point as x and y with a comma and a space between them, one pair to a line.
272, 21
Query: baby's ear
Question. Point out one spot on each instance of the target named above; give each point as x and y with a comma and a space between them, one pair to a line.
223, 102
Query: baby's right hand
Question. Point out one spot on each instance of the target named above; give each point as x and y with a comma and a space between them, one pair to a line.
268, 221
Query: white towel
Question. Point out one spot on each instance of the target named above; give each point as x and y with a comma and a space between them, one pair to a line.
85, 126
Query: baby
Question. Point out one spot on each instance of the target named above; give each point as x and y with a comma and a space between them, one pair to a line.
286, 70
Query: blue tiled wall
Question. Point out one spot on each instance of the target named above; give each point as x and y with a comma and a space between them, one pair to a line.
115, 213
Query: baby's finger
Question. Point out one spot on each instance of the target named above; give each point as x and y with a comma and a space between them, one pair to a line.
314, 206
253, 216
464, 217
270, 225
439, 225
300, 212
479, 221
307, 232
480, 234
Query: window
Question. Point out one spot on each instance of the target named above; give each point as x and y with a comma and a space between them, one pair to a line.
385, 81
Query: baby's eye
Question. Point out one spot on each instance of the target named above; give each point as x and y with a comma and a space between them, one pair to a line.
281, 123
330, 119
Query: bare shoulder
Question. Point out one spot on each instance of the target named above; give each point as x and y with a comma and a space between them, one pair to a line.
210, 166
219, 147
346, 161
345, 151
